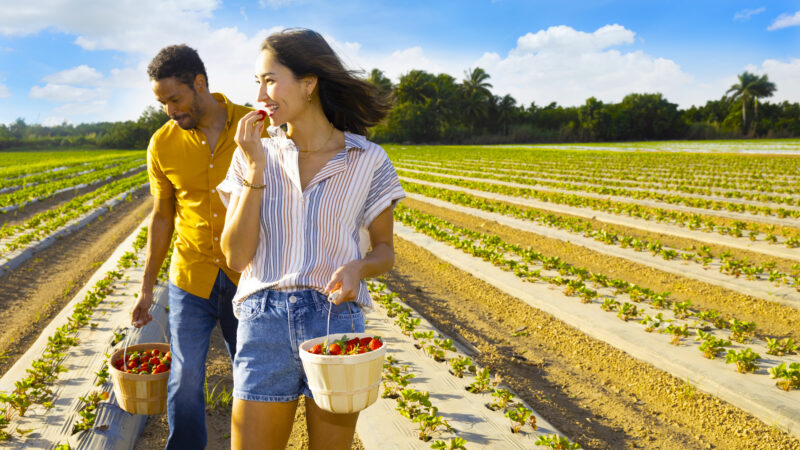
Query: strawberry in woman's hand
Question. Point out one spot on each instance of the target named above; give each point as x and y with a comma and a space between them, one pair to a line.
261, 114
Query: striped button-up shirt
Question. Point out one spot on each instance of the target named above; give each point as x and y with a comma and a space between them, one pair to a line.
306, 235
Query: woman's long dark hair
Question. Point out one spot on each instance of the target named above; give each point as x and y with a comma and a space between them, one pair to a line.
349, 102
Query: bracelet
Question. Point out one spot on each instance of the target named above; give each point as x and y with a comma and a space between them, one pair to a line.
253, 186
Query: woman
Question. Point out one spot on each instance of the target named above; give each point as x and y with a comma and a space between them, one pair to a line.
295, 203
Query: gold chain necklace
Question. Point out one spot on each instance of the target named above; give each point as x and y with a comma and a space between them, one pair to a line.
321, 146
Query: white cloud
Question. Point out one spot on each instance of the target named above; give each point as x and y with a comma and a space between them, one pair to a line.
82, 74
64, 93
4, 91
276, 4
784, 74
746, 14
785, 21
568, 66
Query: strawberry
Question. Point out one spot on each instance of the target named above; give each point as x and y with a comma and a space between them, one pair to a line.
155, 352
365, 341
154, 361
317, 349
375, 343
132, 365
361, 349
334, 349
261, 114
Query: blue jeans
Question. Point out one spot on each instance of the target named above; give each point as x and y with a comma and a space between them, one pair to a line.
272, 325
191, 321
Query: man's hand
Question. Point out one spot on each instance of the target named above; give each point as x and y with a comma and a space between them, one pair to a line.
140, 315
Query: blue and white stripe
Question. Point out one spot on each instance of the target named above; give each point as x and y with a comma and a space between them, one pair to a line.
306, 235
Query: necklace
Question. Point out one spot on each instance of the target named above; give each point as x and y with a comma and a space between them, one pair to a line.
321, 146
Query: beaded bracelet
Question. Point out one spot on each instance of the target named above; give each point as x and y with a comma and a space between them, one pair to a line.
253, 186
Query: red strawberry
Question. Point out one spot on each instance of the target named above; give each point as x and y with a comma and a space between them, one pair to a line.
365, 341
132, 365
362, 349
168, 354
154, 361
261, 114
334, 349
155, 352
162, 368
317, 349
375, 343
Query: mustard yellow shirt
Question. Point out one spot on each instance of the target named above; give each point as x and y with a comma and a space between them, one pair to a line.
181, 165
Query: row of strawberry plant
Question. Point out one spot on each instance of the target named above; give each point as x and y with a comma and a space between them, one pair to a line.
37, 387
704, 255
665, 172
47, 222
396, 379
605, 186
16, 165
575, 280
44, 190
691, 221
65, 172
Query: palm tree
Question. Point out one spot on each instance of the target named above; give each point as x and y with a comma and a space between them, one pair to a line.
475, 82
750, 86
415, 87
507, 108
377, 78
476, 95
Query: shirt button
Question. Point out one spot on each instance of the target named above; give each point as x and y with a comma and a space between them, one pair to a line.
213, 191
215, 214
211, 165
203, 142
292, 299
216, 260
216, 238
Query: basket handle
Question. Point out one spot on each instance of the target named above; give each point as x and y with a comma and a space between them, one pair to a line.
128, 337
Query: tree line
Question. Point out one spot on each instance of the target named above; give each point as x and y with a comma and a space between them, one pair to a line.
432, 108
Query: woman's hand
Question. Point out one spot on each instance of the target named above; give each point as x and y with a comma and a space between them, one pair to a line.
344, 283
248, 138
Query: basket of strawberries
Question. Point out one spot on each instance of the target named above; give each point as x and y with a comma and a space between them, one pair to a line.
343, 371
140, 373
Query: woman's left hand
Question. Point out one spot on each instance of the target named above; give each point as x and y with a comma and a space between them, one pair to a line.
345, 283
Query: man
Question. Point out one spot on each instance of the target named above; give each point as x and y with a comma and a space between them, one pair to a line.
186, 159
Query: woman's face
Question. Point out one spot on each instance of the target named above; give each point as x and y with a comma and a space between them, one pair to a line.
284, 96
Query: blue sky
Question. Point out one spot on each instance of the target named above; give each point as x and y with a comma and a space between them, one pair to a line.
85, 60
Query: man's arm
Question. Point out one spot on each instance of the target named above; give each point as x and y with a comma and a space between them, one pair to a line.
159, 234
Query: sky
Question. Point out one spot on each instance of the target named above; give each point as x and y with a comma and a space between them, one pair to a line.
84, 61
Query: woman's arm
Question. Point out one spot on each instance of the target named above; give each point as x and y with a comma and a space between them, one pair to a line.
379, 260
240, 235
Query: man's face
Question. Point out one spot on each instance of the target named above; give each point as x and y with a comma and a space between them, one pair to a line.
179, 100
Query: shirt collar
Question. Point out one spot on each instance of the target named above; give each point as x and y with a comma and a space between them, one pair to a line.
228, 107
352, 141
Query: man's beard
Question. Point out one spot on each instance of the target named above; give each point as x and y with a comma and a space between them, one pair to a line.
192, 117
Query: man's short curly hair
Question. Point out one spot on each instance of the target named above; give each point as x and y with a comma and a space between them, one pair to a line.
179, 61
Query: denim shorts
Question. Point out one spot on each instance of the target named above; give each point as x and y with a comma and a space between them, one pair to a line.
272, 325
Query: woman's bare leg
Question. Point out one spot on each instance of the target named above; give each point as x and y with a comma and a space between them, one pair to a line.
328, 431
261, 425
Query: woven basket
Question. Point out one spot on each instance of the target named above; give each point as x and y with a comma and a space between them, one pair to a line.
343, 384
140, 394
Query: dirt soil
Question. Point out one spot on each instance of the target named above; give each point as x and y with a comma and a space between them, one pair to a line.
772, 319
218, 418
598, 396
38, 289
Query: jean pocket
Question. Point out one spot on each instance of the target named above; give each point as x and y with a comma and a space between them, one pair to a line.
251, 307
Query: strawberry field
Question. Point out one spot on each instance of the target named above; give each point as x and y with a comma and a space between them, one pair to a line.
597, 296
